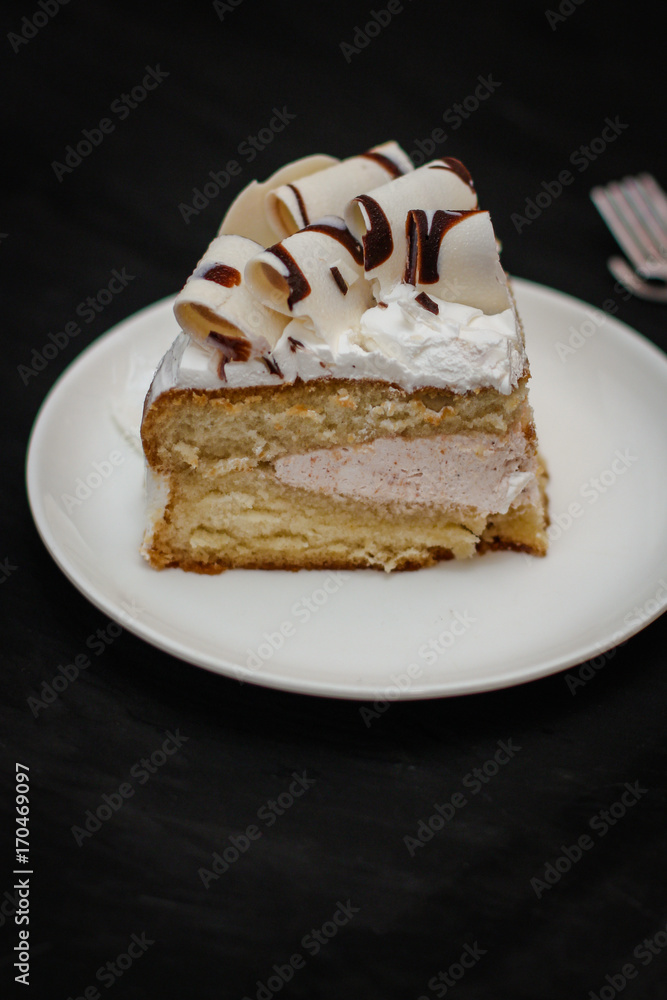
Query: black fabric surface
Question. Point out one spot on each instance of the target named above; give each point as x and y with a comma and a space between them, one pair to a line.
553, 78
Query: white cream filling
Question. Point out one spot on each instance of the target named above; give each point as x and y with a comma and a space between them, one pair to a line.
477, 471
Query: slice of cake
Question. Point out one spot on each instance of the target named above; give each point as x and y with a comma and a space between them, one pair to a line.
349, 387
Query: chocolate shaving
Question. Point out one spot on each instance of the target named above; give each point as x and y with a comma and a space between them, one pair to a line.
295, 345
272, 365
339, 279
427, 302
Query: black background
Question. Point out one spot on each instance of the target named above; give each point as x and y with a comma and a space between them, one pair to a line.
554, 86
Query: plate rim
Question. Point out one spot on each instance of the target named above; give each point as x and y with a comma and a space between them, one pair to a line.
221, 666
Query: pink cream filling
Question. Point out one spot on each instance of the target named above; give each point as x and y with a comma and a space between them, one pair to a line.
477, 471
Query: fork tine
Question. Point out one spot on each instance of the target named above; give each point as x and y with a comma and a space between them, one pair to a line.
631, 220
655, 195
644, 206
626, 238
655, 200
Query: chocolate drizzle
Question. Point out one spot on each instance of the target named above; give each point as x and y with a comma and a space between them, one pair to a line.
339, 279
222, 274
233, 348
421, 265
456, 167
378, 242
300, 202
427, 302
272, 365
296, 279
343, 235
384, 161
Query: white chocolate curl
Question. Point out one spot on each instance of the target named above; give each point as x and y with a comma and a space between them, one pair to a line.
216, 303
453, 255
246, 215
315, 275
295, 205
378, 218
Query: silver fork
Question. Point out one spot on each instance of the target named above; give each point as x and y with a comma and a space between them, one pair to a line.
635, 210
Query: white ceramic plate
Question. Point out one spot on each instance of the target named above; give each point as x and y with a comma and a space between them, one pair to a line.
601, 413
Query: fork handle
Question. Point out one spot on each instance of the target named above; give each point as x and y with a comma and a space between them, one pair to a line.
649, 290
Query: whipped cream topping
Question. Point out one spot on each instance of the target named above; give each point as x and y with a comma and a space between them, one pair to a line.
481, 473
400, 341
459, 347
